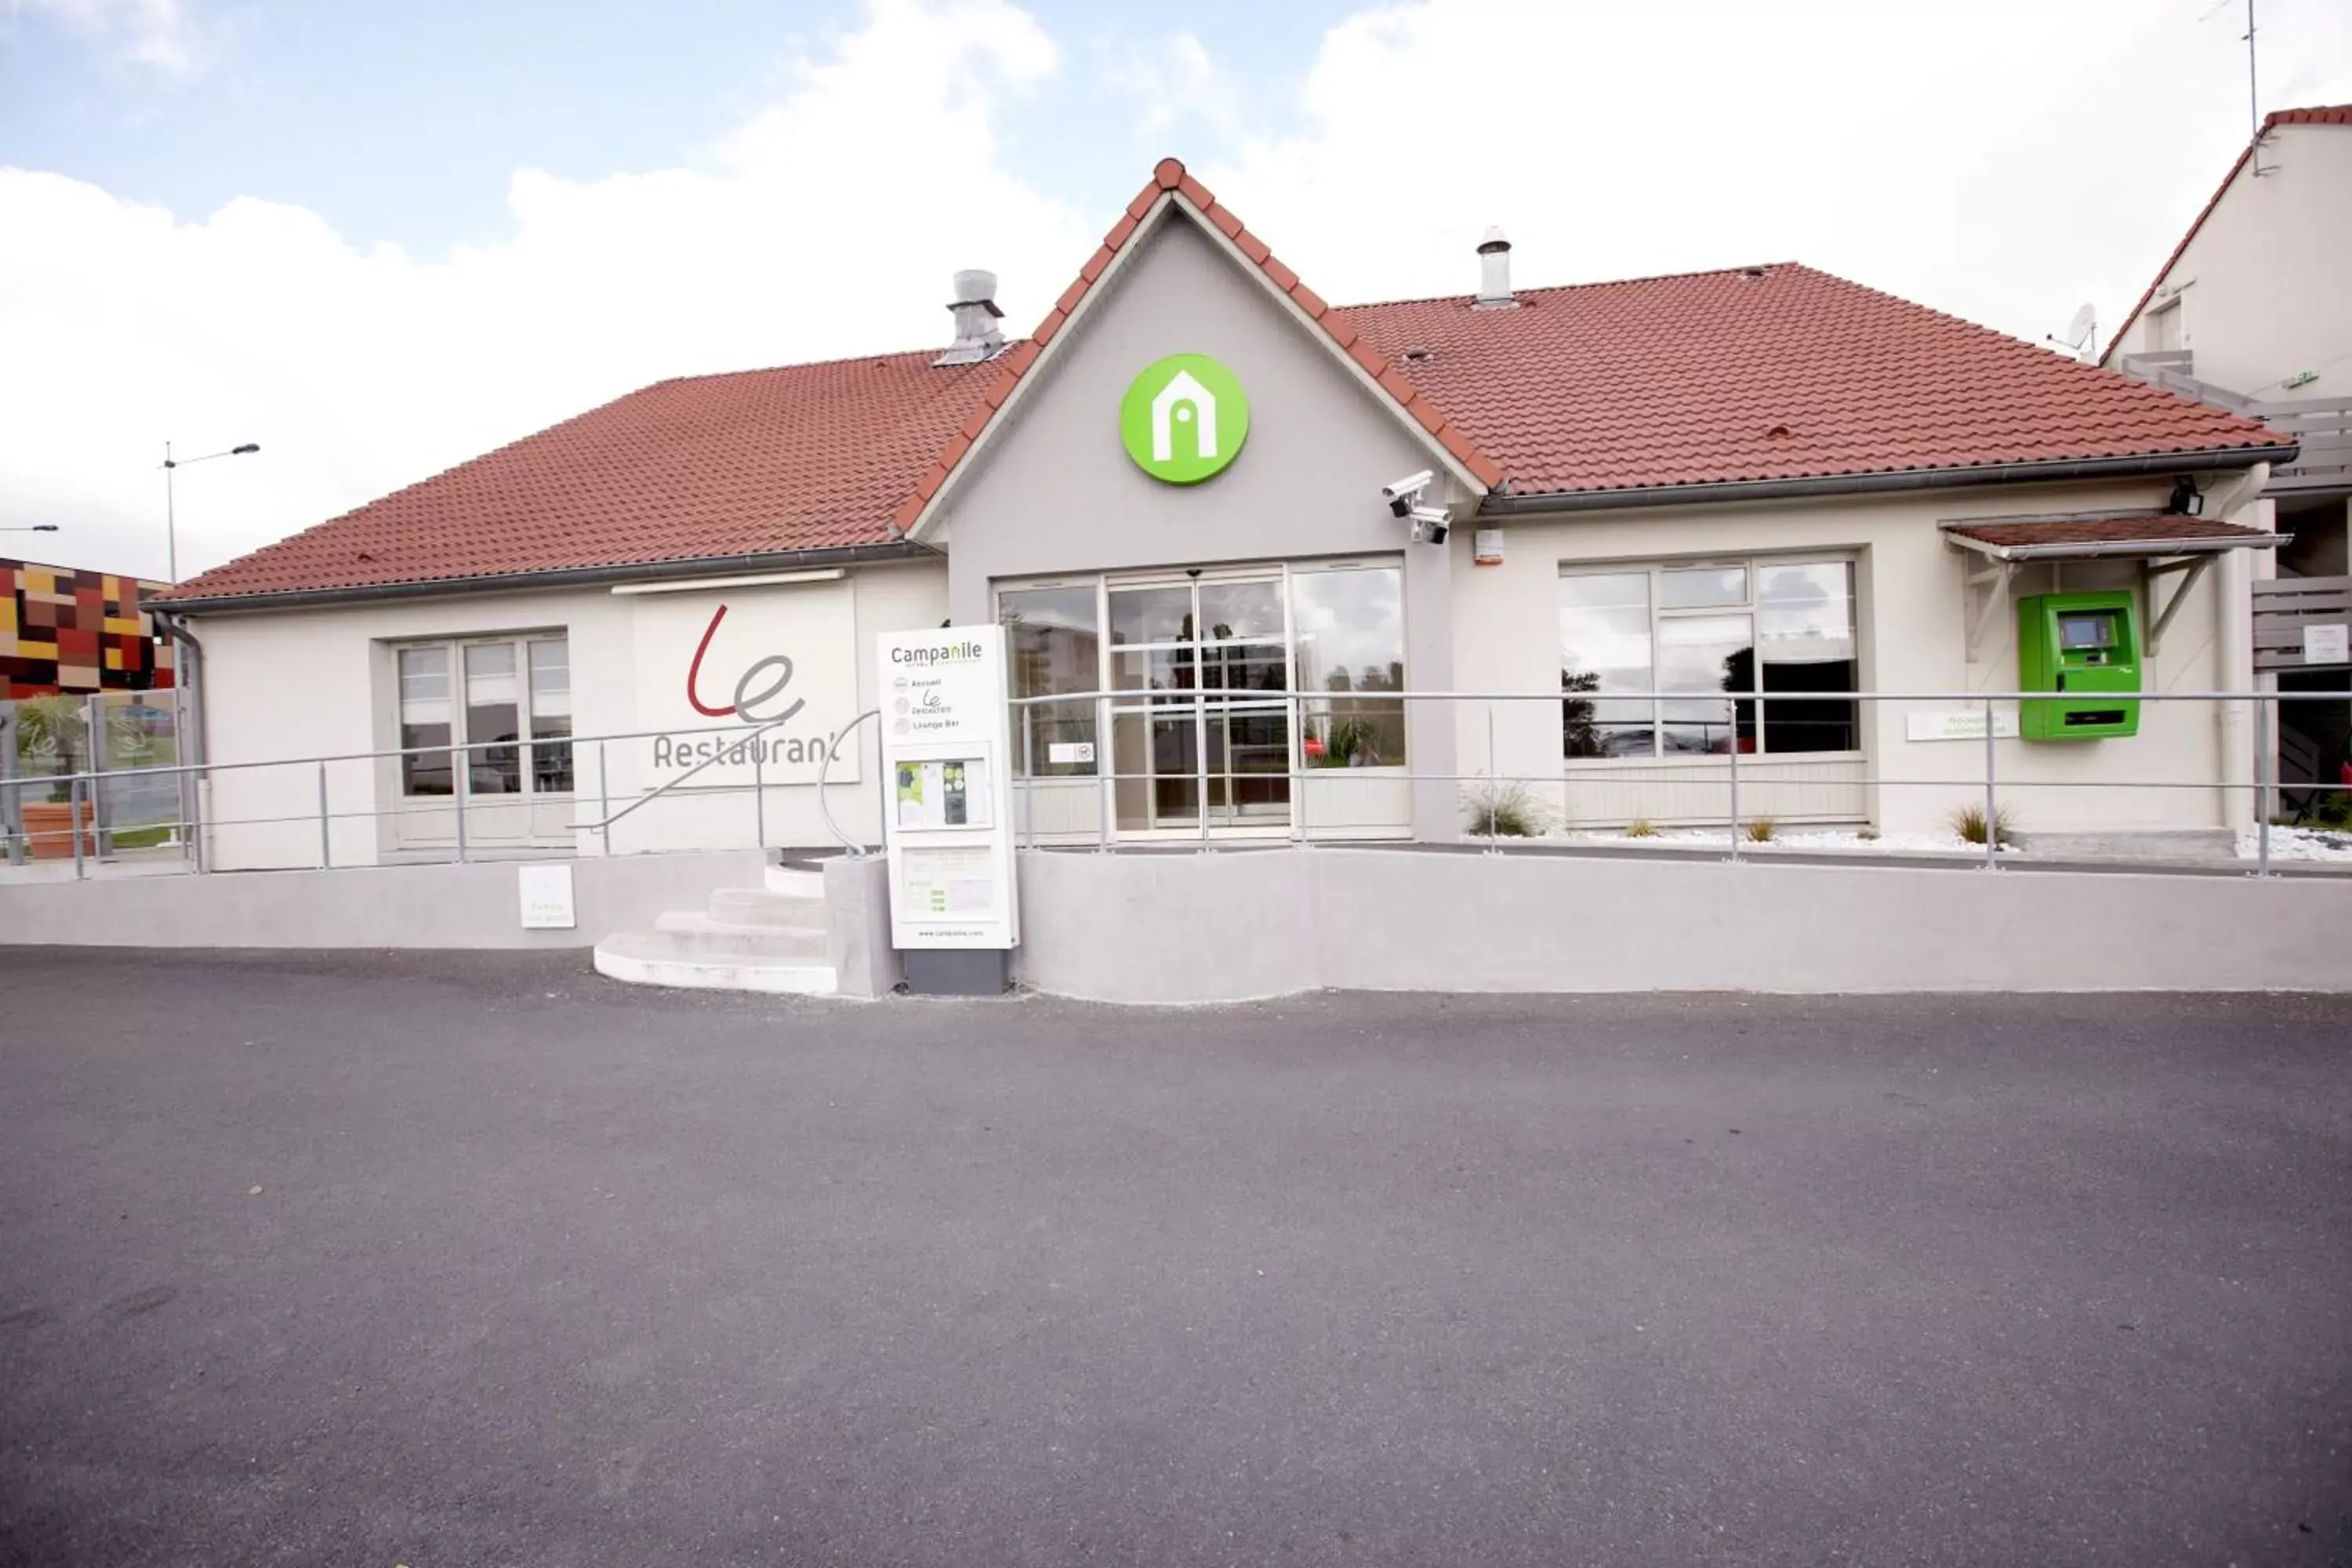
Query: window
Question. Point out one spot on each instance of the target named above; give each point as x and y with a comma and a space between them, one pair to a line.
509, 699
423, 720
551, 715
1713, 645
1348, 632
1057, 651
493, 713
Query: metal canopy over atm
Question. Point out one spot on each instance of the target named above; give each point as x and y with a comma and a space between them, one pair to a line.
2166, 545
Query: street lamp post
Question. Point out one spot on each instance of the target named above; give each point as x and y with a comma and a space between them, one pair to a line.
171, 522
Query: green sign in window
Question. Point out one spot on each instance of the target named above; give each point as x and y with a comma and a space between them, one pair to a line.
1184, 419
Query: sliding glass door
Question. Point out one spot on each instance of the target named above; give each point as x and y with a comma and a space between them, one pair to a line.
1175, 749
1228, 692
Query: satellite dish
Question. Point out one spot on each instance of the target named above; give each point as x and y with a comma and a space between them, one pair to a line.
2082, 333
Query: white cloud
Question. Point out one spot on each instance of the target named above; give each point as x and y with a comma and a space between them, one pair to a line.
161, 34
1173, 82
827, 224
2001, 160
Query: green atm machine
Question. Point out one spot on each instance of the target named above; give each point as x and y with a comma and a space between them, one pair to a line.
2085, 649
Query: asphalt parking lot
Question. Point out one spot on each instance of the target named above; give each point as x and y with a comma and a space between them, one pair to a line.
472, 1259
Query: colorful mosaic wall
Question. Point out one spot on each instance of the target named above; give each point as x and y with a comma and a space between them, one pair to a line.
76, 631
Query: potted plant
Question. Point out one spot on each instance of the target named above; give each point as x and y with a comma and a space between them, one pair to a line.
50, 730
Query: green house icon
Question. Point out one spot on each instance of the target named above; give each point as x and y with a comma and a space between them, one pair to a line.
1184, 418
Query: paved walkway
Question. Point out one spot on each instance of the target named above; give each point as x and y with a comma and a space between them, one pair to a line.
470, 1260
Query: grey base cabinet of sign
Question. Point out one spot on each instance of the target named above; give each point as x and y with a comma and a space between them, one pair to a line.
958, 970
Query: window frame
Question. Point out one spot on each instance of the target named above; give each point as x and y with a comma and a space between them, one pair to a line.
1755, 698
453, 651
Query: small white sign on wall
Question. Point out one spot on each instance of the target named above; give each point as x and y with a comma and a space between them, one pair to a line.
2328, 645
547, 904
1959, 725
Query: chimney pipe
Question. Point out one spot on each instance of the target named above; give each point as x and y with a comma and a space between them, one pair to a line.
978, 337
1495, 273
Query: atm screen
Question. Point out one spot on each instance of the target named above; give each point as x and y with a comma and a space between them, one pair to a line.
2078, 633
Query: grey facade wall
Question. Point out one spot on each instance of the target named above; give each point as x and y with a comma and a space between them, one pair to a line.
1244, 925
1054, 493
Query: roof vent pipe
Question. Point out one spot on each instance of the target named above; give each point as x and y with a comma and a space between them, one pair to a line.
978, 337
1495, 272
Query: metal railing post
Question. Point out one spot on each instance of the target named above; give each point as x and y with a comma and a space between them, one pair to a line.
1201, 755
460, 778
1991, 806
603, 801
1294, 759
1734, 783
1105, 783
93, 726
2265, 771
73, 822
760, 790
1493, 788
326, 844
12, 793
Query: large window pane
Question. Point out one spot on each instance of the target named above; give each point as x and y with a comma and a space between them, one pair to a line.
551, 716
1056, 650
1703, 588
1711, 654
424, 674
1349, 632
1604, 645
493, 713
1804, 635
1150, 615
1230, 610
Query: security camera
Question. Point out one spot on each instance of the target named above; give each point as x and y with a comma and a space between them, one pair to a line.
1430, 524
1401, 493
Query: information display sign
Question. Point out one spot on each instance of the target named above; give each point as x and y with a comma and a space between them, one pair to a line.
947, 756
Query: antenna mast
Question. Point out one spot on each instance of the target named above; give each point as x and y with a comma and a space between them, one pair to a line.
2253, 94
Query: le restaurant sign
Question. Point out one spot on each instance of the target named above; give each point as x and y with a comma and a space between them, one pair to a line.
755, 682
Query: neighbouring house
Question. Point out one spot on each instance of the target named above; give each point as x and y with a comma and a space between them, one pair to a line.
76, 632
2251, 312
1611, 540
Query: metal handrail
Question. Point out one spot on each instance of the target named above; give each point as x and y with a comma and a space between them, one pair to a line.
656, 794
856, 851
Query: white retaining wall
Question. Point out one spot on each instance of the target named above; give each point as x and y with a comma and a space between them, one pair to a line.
1242, 924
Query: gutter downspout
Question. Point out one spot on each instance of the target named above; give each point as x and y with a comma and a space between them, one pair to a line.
196, 787
2240, 770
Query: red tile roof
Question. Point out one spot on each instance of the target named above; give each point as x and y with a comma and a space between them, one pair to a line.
1774, 373
759, 462
2040, 534
2333, 114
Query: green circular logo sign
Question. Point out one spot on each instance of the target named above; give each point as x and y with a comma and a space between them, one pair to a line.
1184, 418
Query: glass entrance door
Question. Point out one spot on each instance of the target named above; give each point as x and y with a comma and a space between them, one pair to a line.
1176, 751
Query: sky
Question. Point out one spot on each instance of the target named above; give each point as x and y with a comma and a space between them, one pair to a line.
381, 239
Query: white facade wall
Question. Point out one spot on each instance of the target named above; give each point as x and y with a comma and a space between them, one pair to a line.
305, 683
2262, 287
1912, 613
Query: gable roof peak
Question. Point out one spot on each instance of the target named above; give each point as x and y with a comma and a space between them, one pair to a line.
1172, 183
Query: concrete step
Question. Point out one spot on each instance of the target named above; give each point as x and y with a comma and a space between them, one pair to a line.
697, 932
765, 907
802, 881
656, 958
